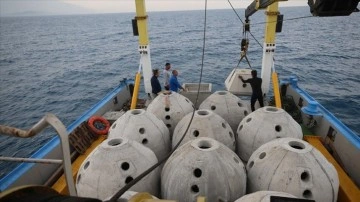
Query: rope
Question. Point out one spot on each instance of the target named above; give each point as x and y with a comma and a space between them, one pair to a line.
284, 20
146, 172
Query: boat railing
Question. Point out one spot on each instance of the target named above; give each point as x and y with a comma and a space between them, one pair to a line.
48, 119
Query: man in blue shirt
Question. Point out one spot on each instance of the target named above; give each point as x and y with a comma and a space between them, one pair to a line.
174, 84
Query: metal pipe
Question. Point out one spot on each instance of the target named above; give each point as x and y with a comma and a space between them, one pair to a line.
31, 160
275, 81
49, 119
136, 90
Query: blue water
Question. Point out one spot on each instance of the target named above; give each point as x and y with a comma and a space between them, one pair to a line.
65, 64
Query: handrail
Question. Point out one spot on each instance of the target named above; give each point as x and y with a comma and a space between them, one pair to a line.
48, 119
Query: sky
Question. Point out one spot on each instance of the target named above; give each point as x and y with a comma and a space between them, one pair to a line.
66, 7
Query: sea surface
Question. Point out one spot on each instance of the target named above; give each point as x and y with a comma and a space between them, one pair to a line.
65, 64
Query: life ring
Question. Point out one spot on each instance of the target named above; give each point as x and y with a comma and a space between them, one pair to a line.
99, 125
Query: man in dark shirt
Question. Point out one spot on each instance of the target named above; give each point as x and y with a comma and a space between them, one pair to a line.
155, 84
255, 83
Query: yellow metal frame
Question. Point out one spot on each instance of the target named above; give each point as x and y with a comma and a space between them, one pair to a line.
272, 12
136, 90
141, 18
276, 89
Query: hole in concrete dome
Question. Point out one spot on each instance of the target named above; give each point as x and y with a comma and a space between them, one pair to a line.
167, 109
231, 135
307, 194
197, 172
114, 142
251, 164
246, 113
204, 144
213, 107
196, 133
128, 179
235, 159
168, 125
144, 141
86, 165
297, 145
305, 176
167, 117
223, 125
142, 130
271, 109
195, 189
241, 126
125, 166
203, 113
240, 104
78, 179
113, 126
278, 137
222, 93
277, 128
248, 120
136, 112
262, 155
244, 85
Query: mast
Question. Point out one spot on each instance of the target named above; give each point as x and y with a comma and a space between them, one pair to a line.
272, 13
269, 46
144, 50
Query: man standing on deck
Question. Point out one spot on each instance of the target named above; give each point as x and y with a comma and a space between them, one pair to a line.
174, 84
167, 74
155, 84
255, 83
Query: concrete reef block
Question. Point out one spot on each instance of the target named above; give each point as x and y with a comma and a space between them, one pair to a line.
262, 126
204, 124
113, 164
170, 107
203, 167
228, 106
145, 128
293, 166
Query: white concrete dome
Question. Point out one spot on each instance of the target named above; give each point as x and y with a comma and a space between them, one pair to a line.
204, 124
293, 166
263, 196
145, 128
116, 162
203, 167
170, 107
262, 126
228, 106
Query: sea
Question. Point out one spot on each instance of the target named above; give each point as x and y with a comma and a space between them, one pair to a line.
65, 64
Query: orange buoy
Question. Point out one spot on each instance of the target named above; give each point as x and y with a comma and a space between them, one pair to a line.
99, 125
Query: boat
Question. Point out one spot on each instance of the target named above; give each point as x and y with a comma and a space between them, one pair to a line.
78, 141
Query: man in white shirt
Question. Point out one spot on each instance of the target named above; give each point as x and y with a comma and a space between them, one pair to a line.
167, 74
